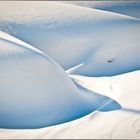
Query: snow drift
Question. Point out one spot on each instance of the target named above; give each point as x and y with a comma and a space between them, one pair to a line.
118, 52
130, 8
36, 92
118, 124
79, 34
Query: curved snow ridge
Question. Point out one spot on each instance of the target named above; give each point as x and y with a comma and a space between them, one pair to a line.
81, 29
118, 53
53, 13
16, 41
130, 8
36, 92
102, 85
117, 121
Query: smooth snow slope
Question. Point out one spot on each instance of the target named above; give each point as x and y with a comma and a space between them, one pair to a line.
118, 124
36, 92
120, 54
70, 32
130, 8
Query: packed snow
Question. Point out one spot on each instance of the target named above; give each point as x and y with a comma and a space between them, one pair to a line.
31, 91
123, 123
70, 67
130, 8
65, 22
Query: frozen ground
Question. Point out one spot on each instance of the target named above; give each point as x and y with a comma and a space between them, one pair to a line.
47, 50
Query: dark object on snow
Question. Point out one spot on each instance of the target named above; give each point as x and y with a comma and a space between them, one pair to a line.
110, 60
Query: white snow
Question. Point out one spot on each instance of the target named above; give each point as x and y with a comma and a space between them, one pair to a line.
130, 8
113, 55
122, 123
69, 69
63, 22
36, 92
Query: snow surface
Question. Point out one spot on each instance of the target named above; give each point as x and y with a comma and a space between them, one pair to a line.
36, 92
124, 123
40, 40
113, 55
65, 22
130, 8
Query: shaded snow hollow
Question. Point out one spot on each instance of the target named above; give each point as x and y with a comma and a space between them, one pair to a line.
36, 92
74, 35
42, 40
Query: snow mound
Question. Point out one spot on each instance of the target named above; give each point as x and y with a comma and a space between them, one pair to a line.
62, 30
36, 92
130, 8
117, 53
120, 124
102, 85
